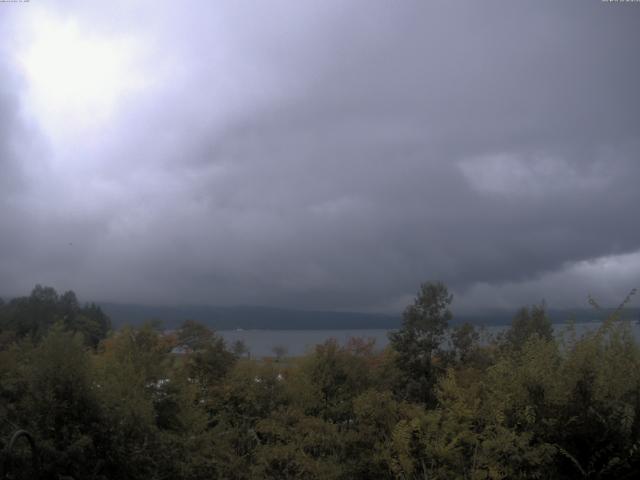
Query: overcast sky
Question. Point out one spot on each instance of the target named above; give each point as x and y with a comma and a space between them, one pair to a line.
321, 154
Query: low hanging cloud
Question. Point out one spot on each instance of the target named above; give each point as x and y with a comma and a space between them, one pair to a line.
327, 156
567, 287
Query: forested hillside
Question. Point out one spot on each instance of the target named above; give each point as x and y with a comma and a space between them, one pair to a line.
128, 404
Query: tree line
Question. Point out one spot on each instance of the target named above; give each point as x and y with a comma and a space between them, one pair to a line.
437, 403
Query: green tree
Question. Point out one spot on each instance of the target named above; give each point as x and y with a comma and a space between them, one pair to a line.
529, 321
417, 342
240, 349
297, 446
150, 410
62, 408
32, 316
93, 323
337, 375
194, 334
368, 447
208, 365
464, 342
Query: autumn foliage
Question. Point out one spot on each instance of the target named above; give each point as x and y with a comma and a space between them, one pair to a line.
439, 403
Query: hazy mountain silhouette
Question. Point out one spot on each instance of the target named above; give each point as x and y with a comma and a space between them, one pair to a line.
258, 317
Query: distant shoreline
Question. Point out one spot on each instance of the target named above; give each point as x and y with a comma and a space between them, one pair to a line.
272, 318
297, 342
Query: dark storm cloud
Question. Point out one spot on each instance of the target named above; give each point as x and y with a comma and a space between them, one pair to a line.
19, 148
336, 156
10, 133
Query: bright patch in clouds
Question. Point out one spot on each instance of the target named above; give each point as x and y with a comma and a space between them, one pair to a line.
609, 278
529, 175
75, 77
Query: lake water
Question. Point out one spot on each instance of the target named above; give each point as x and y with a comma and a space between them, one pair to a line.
298, 342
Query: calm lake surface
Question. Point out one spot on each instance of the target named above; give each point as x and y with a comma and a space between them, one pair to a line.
298, 342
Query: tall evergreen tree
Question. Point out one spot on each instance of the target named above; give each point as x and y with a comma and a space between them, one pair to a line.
417, 343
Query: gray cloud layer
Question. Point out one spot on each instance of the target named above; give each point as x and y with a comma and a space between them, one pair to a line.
335, 155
